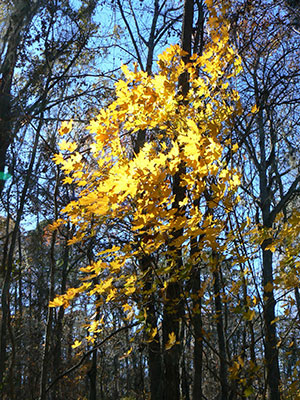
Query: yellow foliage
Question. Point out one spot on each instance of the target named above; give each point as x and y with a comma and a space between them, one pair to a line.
171, 342
65, 127
185, 140
254, 109
76, 344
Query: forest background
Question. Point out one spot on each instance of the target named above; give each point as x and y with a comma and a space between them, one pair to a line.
159, 201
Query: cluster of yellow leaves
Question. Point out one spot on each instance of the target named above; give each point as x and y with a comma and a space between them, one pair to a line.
65, 299
189, 135
244, 372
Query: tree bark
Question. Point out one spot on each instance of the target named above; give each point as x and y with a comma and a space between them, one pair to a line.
173, 307
50, 316
154, 348
220, 334
57, 352
198, 345
20, 18
271, 350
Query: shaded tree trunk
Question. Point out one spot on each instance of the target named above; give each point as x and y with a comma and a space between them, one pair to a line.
271, 350
21, 16
57, 351
50, 317
223, 373
92, 374
198, 345
173, 307
171, 325
154, 348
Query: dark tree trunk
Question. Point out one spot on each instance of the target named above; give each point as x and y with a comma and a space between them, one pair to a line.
220, 334
171, 325
271, 350
21, 16
185, 387
155, 360
57, 351
92, 374
198, 345
48, 346
173, 307
154, 348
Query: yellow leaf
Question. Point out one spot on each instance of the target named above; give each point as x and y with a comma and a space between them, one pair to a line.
90, 339
241, 361
94, 327
57, 302
126, 307
152, 335
70, 146
235, 147
67, 180
111, 295
65, 127
255, 300
275, 320
76, 344
172, 341
125, 355
58, 159
254, 109
271, 247
249, 315
56, 224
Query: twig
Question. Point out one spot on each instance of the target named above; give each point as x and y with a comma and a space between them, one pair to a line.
68, 371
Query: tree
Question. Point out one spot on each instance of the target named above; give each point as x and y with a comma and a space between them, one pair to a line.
25, 99
185, 280
266, 136
165, 200
55, 75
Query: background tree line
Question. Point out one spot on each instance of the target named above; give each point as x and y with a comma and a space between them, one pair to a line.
59, 61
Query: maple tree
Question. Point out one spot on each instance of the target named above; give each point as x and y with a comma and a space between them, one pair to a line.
169, 194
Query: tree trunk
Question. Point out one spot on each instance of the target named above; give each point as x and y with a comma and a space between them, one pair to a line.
50, 316
57, 352
92, 374
220, 334
173, 307
271, 350
154, 349
198, 345
20, 17
171, 325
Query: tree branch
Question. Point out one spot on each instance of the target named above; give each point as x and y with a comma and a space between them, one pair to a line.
68, 371
285, 199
